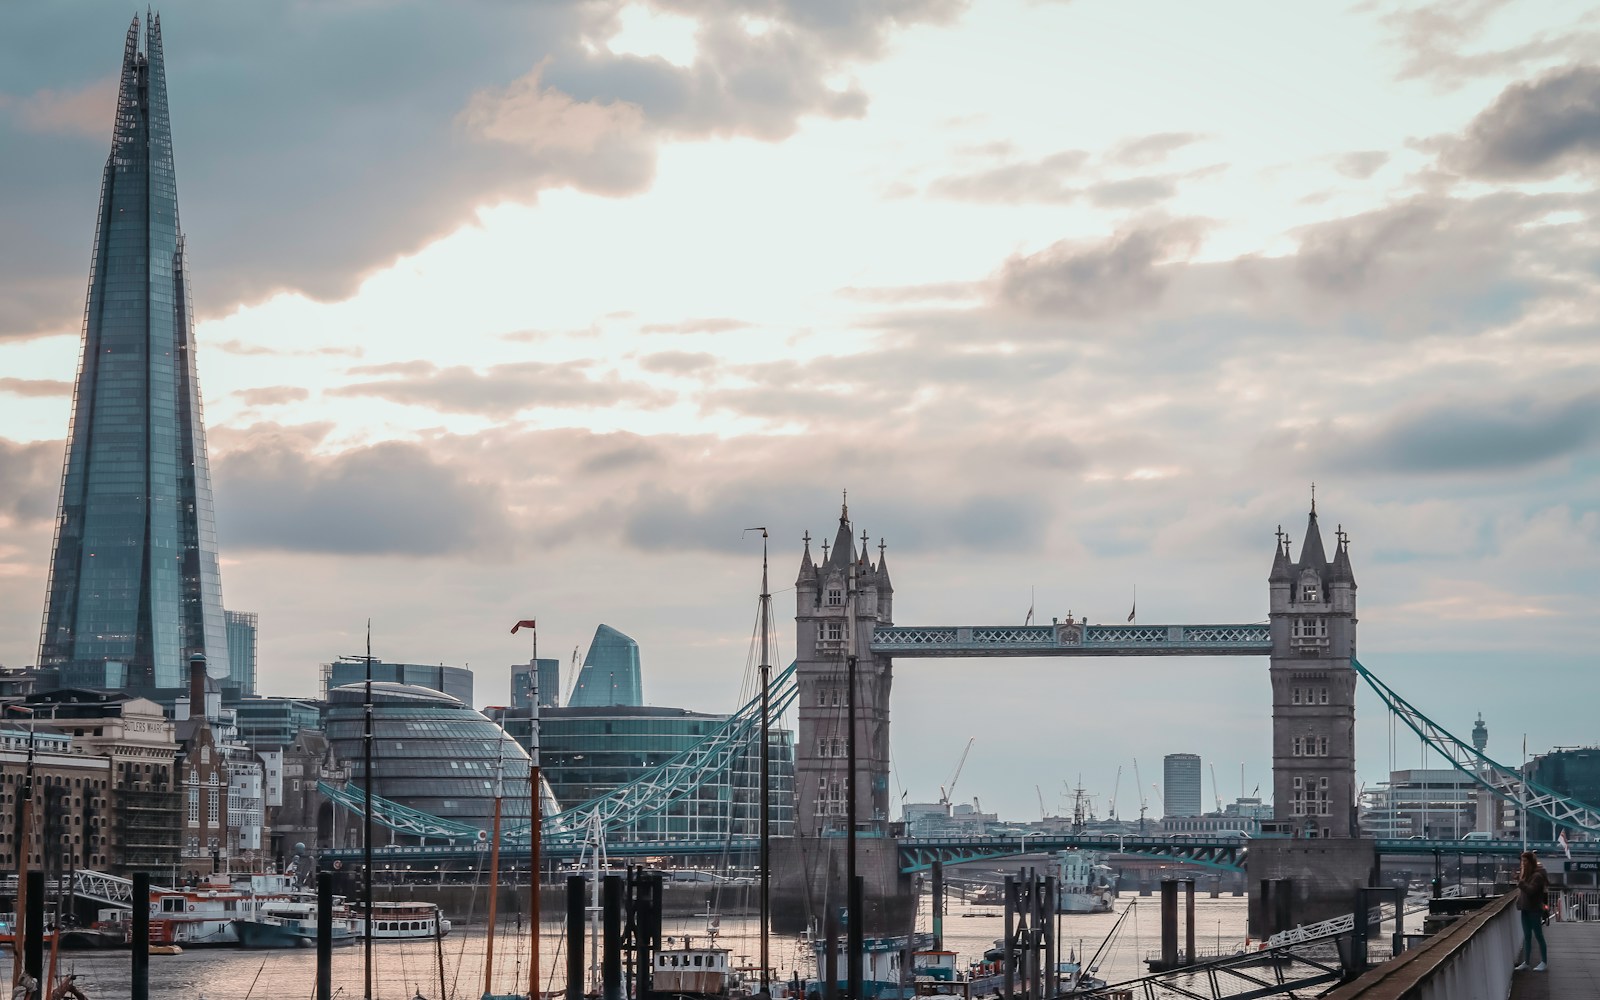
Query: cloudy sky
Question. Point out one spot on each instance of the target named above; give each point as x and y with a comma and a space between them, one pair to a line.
514, 310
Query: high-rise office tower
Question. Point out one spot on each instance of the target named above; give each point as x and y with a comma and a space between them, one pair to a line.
610, 674
242, 626
1180, 784
135, 589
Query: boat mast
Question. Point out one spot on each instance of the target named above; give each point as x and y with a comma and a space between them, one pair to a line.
853, 901
366, 838
494, 869
534, 828
766, 767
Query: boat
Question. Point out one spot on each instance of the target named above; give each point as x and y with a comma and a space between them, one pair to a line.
291, 924
881, 977
165, 949
1083, 883
692, 971
402, 921
93, 938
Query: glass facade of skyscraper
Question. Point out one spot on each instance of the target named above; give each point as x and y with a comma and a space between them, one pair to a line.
610, 674
587, 752
135, 586
453, 681
548, 677
241, 627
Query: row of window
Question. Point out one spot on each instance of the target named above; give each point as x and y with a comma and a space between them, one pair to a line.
1310, 746
1308, 696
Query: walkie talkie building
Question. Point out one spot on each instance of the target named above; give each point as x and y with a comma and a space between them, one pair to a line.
135, 588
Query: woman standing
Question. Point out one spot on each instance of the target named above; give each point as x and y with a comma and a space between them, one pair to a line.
1533, 890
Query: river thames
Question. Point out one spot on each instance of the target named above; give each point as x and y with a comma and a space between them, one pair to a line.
404, 969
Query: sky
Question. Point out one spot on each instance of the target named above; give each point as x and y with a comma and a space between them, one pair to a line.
518, 311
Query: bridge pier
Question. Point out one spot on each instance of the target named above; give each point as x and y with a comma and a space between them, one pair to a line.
1323, 877
808, 877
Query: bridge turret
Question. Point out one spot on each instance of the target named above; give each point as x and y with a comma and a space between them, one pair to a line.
825, 634
1313, 608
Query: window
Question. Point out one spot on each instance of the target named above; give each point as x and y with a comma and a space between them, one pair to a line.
1309, 592
1297, 782
1322, 696
833, 631
835, 597
1322, 746
1294, 697
194, 804
1298, 744
1310, 628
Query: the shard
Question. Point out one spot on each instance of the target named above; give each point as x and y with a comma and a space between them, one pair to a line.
135, 589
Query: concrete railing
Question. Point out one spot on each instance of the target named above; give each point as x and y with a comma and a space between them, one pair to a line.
1469, 960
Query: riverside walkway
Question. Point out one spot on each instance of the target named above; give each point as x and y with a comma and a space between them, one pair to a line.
1574, 965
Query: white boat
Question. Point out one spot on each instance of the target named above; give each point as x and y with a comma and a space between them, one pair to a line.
402, 921
692, 971
1083, 883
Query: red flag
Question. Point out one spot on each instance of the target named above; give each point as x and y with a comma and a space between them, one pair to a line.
522, 624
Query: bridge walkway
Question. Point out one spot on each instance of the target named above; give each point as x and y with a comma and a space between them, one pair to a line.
1574, 965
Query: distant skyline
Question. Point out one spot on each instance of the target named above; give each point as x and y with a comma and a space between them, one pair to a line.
527, 311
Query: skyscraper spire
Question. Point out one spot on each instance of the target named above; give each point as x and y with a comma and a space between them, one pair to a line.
135, 585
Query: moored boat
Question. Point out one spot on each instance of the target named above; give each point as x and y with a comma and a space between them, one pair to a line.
402, 921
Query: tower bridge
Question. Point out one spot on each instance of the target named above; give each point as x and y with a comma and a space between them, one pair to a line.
844, 607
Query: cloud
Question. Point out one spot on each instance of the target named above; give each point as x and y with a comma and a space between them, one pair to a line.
273, 395
366, 153
35, 387
1148, 149
598, 146
1361, 165
658, 519
1534, 129
677, 362
712, 324
1437, 42
86, 110
32, 477
1481, 435
1075, 280
1045, 180
388, 499
503, 389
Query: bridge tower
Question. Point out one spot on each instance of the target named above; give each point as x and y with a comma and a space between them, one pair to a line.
837, 603
1313, 621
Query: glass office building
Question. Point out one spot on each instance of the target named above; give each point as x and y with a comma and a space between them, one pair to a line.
453, 681
610, 674
241, 626
587, 752
430, 752
266, 723
523, 677
135, 588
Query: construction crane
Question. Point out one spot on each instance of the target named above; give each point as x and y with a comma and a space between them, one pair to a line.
1037, 791
945, 791
1114, 788
1138, 782
1215, 793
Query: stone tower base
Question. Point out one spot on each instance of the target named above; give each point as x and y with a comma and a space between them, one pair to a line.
1324, 876
808, 875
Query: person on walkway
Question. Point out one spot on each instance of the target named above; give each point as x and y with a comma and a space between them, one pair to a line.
1533, 892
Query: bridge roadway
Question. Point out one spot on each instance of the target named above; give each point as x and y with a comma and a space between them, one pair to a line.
1072, 638
917, 854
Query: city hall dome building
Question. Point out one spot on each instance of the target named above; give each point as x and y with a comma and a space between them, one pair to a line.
431, 752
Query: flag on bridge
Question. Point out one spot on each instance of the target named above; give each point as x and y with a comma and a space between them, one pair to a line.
1134, 611
1561, 838
522, 624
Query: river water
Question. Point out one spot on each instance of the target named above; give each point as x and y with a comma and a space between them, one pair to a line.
403, 968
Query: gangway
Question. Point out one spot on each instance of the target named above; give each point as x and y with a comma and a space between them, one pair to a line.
111, 890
